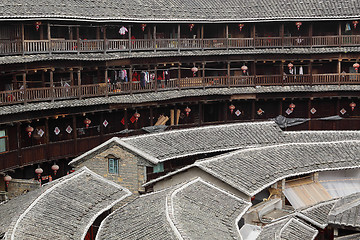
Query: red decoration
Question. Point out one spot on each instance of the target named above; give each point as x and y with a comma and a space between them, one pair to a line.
356, 66
244, 68
136, 115
252, 198
123, 121
37, 25
298, 25
143, 26
55, 168
231, 107
355, 23
7, 179
187, 110
352, 105
290, 66
191, 26
241, 25
292, 106
87, 122
39, 171
29, 129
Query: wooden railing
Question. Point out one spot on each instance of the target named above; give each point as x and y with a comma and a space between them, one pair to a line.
8, 47
103, 89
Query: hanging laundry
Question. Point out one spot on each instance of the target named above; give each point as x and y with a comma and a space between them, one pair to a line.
347, 27
166, 76
123, 30
135, 77
301, 70
142, 79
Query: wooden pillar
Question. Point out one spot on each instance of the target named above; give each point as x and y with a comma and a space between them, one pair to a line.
14, 82
24, 87
23, 38
75, 134
228, 74
311, 33
47, 138
52, 94
151, 116
227, 36
201, 114
254, 69
202, 37
78, 39
126, 124
309, 113
156, 81
203, 74
310, 71
339, 31
105, 39
178, 37
101, 126
337, 123
49, 37
42, 78
71, 33
155, 45
282, 72
282, 29
339, 71
130, 43
253, 110
253, 34
18, 135
72, 77
98, 33
79, 83
179, 76
106, 81
130, 80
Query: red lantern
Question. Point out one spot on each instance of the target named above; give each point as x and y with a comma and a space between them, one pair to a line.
29, 129
37, 25
355, 23
39, 171
290, 66
244, 68
187, 110
87, 122
194, 70
252, 198
231, 107
143, 26
241, 25
352, 105
136, 115
298, 25
55, 168
191, 26
356, 66
7, 179
292, 106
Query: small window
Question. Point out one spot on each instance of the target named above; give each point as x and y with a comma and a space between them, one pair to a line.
158, 168
3, 141
113, 165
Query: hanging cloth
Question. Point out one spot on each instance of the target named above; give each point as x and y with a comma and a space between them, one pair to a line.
301, 70
167, 77
347, 27
123, 30
142, 79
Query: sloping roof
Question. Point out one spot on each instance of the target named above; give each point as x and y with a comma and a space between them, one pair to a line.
290, 228
193, 210
323, 136
252, 170
346, 211
180, 11
318, 213
355, 236
65, 208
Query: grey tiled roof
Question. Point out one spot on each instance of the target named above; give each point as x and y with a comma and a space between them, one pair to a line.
64, 209
192, 210
170, 94
346, 211
252, 170
321, 136
174, 53
318, 213
355, 236
172, 10
290, 228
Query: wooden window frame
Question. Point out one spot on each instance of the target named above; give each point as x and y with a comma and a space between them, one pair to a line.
6, 141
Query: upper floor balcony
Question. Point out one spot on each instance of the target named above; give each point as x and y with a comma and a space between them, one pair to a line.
35, 38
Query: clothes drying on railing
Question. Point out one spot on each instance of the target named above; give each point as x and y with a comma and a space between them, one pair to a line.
166, 76
123, 75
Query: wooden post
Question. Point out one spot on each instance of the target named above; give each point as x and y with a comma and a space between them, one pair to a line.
155, 45
105, 39
101, 126
106, 82
78, 39
18, 135
24, 87
228, 74
47, 138
97, 32
311, 72
23, 39
49, 37
72, 77
179, 76
311, 33
156, 81
282, 72
253, 34
75, 134
253, 110
309, 113
227, 36
178, 37
254, 69
202, 37
151, 116
130, 80
201, 114
79, 83
203, 74
42, 78
126, 124
340, 38
52, 94
130, 46
282, 29
339, 71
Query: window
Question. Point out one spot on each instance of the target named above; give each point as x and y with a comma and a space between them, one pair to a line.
113, 165
158, 168
3, 141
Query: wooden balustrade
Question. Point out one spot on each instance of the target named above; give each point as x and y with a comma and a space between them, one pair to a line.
103, 89
99, 45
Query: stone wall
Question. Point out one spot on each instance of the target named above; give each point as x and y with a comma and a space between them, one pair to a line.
21, 186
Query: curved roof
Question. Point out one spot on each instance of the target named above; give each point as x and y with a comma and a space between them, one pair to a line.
346, 211
63, 209
290, 228
179, 11
193, 210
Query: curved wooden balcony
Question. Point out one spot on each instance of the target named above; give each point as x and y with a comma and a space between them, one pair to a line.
126, 45
102, 89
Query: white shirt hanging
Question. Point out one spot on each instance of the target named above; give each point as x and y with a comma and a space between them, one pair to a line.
301, 70
123, 30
